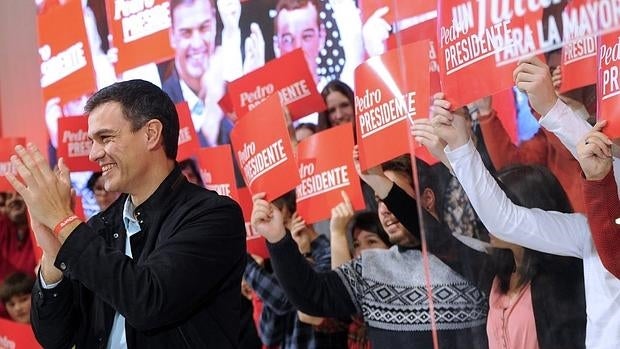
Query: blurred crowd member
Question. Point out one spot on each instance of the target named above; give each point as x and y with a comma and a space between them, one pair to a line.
340, 102
103, 197
303, 130
191, 172
16, 245
15, 294
3, 198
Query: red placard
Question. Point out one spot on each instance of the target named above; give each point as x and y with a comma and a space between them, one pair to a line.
216, 170
255, 243
424, 31
263, 150
608, 84
17, 336
74, 145
402, 10
481, 42
579, 50
66, 62
288, 76
188, 140
7, 149
385, 99
326, 168
140, 32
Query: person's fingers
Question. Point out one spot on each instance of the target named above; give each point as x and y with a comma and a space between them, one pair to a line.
64, 172
441, 120
258, 196
380, 12
524, 86
525, 77
599, 126
598, 146
23, 171
440, 111
40, 161
346, 199
441, 103
29, 165
16, 184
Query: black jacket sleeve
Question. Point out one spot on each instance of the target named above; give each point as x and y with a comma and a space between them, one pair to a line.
194, 256
51, 310
314, 293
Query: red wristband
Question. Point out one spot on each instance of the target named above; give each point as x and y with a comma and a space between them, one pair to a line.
64, 223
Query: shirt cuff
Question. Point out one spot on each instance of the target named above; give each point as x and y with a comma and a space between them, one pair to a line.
45, 285
461, 152
553, 114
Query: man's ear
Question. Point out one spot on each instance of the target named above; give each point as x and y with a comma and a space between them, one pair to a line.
428, 200
154, 137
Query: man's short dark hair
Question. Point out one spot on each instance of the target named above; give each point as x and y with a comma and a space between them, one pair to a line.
16, 284
176, 3
291, 5
140, 102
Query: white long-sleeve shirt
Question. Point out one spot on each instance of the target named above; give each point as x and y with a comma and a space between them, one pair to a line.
552, 232
563, 122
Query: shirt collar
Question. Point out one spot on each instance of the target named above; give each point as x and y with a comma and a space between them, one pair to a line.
156, 201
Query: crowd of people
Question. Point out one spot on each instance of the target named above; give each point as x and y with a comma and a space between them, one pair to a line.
163, 264
498, 245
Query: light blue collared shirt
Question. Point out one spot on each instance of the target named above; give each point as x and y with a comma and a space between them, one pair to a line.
118, 339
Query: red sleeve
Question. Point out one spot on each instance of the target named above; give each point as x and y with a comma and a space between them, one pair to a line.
503, 152
602, 210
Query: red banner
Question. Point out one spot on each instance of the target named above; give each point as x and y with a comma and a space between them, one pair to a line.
288, 76
403, 10
74, 145
481, 42
188, 140
255, 243
579, 50
66, 62
608, 84
7, 149
16, 336
385, 99
140, 32
216, 169
263, 150
326, 168
424, 31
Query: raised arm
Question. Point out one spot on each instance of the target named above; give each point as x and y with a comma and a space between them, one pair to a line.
533, 77
317, 294
551, 232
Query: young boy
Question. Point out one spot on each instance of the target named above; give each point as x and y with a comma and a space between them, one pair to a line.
15, 293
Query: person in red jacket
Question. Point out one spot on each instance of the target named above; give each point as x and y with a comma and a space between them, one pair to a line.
600, 196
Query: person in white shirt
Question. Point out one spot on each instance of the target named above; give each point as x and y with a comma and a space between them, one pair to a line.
546, 231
